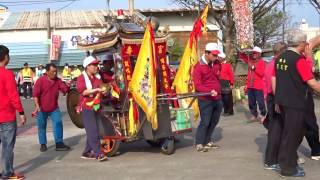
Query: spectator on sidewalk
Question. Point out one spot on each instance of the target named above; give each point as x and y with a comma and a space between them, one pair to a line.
227, 82
256, 66
76, 72
27, 80
206, 80
10, 104
66, 73
46, 94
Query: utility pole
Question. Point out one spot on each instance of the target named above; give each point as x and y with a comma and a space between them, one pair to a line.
131, 7
284, 22
48, 31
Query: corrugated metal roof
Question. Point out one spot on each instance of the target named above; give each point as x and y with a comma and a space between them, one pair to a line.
36, 53
60, 19
69, 19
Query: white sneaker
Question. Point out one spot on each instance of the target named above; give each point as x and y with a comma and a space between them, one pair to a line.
317, 158
212, 145
301, 160
200, 148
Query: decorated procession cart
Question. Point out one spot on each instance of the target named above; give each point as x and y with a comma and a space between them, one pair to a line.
122, 120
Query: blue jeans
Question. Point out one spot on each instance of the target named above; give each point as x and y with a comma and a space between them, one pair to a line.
57, 126
8, 133
256, 96
210, 114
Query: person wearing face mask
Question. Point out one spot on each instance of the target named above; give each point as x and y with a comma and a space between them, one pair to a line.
88, 85
256, 66
46, 94
206, 80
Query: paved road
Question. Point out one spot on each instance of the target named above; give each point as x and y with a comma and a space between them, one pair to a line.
240, 157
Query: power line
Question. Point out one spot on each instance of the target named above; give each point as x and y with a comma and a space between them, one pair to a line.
73, 1
36, 3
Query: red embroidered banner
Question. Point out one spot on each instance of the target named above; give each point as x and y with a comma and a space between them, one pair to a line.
55, 47
129, 55
243, 23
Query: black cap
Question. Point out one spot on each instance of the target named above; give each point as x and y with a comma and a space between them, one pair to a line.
25, 64
107, 57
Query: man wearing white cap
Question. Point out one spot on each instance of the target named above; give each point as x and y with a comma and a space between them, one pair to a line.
206, 80
88, 85
256, 66
227, 82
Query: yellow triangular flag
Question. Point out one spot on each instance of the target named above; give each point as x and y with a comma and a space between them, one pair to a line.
143, 82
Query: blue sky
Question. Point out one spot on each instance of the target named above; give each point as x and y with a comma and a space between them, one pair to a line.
305, 10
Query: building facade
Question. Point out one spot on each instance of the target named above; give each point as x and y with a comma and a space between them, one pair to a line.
28, 34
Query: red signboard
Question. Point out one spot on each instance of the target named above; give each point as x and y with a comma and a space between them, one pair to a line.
55, 47
129, 55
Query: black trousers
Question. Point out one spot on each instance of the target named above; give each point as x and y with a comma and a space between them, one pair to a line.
227, 101
27, 89
291, 137
210, 111
274, 126
312, 131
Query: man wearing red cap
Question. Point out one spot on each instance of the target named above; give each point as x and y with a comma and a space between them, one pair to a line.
206, 80
256, 66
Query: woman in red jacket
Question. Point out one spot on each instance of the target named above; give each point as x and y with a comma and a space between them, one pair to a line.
227, 82
256, 66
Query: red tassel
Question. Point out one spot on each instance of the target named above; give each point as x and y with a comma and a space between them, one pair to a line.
135, 113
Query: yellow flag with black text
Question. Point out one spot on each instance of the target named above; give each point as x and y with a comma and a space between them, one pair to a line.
143, 82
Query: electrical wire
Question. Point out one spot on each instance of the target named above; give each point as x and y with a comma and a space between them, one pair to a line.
36, 3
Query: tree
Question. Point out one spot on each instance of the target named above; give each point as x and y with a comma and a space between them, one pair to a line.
268, 28
225, 20
316, 4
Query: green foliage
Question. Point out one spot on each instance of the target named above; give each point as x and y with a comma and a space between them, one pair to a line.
268, 27
176, 52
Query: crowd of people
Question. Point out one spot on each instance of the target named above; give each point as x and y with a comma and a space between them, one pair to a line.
279, 97
281, 90
27, 77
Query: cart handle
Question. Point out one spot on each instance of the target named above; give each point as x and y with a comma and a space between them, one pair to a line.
181, 96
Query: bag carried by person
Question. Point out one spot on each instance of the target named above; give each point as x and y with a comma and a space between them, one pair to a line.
225, 87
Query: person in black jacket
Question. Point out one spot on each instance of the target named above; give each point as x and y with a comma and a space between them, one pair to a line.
292, 84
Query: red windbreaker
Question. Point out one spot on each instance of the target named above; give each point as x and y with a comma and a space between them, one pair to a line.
10, 100
206, 78
227, 72
254, 77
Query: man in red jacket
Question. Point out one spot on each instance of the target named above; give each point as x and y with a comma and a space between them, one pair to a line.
9, 104
206, 80
256, 66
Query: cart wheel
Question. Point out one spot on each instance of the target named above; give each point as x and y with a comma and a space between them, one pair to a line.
155, 143
167, 146
110, 146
